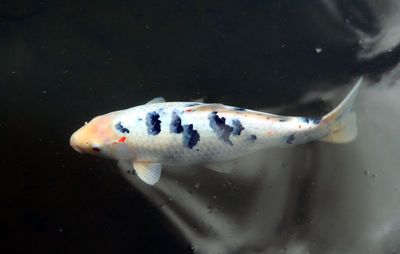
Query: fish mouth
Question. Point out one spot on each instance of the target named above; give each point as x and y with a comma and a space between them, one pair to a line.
73, 143
77, 149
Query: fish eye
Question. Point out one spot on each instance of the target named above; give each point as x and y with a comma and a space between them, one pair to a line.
96, 148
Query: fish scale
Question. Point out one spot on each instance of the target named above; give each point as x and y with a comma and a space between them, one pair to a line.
186, 133
168, 149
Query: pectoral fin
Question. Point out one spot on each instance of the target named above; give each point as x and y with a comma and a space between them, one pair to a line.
222, 167
148, 172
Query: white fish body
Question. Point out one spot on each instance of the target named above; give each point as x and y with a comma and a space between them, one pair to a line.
187, 133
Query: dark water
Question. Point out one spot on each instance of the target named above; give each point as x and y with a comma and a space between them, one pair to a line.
64, 62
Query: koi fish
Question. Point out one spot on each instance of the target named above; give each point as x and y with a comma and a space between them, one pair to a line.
159, 133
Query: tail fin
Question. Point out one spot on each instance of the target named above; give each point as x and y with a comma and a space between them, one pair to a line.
342, 120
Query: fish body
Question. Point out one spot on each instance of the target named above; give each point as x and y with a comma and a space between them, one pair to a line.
184, 133
187, 133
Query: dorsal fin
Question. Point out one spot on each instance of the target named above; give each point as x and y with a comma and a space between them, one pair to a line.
156, 100
201, 99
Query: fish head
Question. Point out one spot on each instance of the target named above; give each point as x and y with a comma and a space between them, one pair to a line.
96, 137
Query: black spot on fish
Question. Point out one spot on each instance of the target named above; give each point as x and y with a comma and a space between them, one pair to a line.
140, 119
152, 123
121, 128
253, 137
190, 136
176, 124
282, 120
290, 139
218, 125
237, 127
240, 109
192, 104
314, 120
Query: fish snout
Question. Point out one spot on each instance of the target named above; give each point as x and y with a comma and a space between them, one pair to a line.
74, 142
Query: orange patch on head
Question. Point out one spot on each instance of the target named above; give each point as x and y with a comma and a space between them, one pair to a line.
188, 110
269, 133
299, 126
310, 128
121, 140
100, 126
